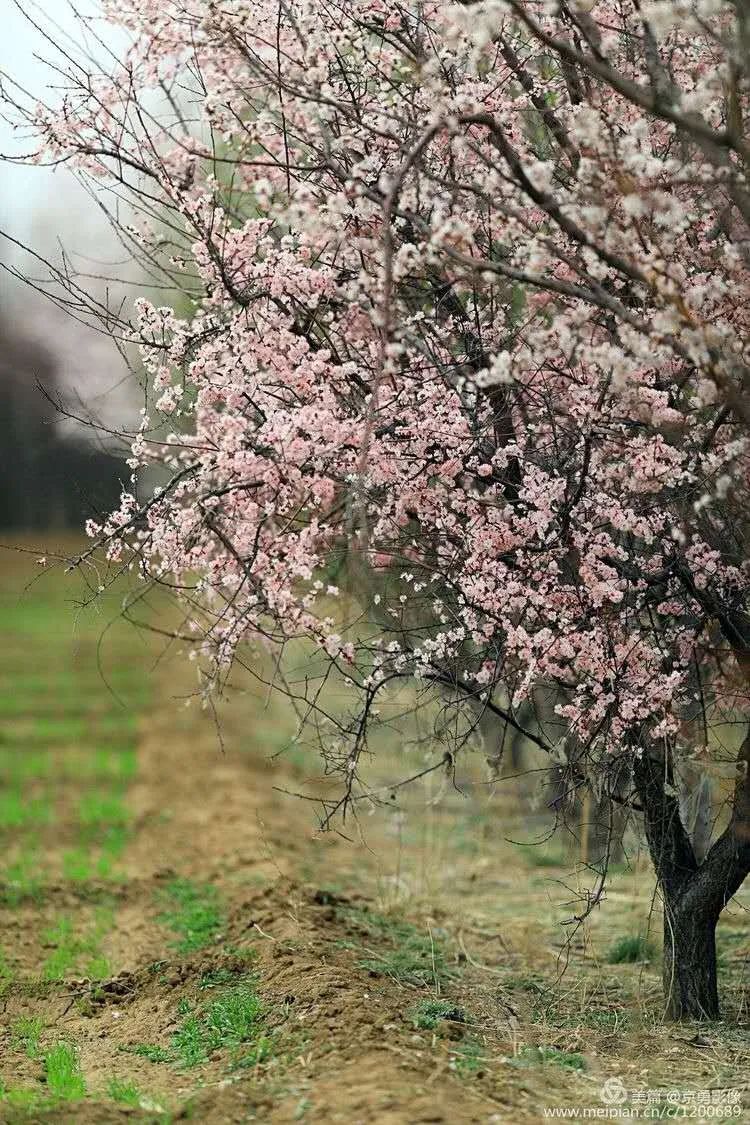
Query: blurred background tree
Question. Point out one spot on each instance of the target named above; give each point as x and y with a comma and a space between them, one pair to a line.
50, 478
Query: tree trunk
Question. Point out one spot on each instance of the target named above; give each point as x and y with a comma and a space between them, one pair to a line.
689, 965
694, 893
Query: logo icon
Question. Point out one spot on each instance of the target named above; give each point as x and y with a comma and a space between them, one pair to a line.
613, 1092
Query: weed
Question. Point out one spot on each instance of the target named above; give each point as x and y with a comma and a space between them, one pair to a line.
233, 1019
97, 968
525, 982
427, 1014
22, 882
630, 949
194, 914
614, 1020
64, 731
18, 810
245, 954
77, 865
190, 1043
262, 1050
123, 1092
468, 1058
71, 950
151, 1052
63, 1072
412, 957
111, 843
102, 809
156, 967
67, 729
6, 973
63, 958
21, 1098
570, 1060
215, 978
24, 1035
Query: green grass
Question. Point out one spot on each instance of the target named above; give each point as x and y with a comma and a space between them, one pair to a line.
102, 809
151, 1052
123, 1092
25, 1033
216, 978
468, 1058
22, 882
189, 1043
233, 1020
193, 914
69, 718
402, 952
23, 1099
63, 1072
541, 1056
65, 764
6, 972
77, 951
19, 810
427, 1014
630, 949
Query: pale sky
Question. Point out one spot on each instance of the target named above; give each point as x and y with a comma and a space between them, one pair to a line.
43, 207
39, 201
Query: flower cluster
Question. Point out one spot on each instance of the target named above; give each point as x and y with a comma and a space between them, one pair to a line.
468, 325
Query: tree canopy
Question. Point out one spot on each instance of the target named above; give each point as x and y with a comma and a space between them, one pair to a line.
468, 330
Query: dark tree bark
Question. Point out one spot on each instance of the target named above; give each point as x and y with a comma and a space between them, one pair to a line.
691, 990
694, 894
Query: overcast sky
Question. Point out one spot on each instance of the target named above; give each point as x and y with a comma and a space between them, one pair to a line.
36, 202
43, 207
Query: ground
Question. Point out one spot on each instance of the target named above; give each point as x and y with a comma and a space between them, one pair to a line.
179, 942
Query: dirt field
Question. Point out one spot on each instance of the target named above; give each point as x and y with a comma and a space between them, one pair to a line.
180, 944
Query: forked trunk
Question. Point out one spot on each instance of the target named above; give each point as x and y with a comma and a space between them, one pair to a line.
694, 893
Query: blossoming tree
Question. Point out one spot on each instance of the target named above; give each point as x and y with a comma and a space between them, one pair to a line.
468, 291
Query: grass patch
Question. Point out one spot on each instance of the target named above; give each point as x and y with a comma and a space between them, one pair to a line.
542, 1056
102, 810
23, 1099
403, 952
151, 1052
22, 882
25, 1033
123, 1092
427, 1014
70, 715
18, 810
630, 949
63, 1072
468, 1059
233, 1020
217, 978
72, 950
193, 914
6, 972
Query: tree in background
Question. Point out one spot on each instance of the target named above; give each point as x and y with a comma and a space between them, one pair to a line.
470, 331
48, 479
